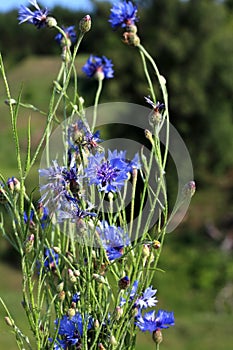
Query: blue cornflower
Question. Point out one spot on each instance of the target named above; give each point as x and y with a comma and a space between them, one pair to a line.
76, 297
108, 174
71, 330
51, 259
158, 106
147, 299
59, 181
43, 216
70, 34
123, 14
99, 67
113, 238
38, 17
151, 321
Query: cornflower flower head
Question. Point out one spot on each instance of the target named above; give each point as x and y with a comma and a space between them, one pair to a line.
70, 35
71, 330
151, 321
113, 238
158, 106
147, 299
110, 174
59, 181
37, 18
98, 67
123, 14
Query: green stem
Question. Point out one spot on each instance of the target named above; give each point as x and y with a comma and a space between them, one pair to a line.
97, 96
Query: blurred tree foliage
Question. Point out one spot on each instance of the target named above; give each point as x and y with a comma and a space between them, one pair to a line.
192, 43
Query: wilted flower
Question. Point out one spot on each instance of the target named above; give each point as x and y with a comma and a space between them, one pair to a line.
37, 17
123, 14
99, 67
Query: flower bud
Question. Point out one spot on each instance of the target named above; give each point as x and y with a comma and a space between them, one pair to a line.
99, 278
156, 244
8, 321
124, 282
76, 273
131, 28
85, 24
119, 312
51, 22
96, 324
11, 101
131, 39
60, 287
145, 250
71, 312
62, 295
28, 245
157, 336
149, 136
113, 340
101, 347
189, 189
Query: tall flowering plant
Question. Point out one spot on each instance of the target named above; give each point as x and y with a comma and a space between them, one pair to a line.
88, 258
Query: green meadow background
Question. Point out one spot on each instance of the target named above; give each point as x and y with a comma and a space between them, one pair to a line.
192, 44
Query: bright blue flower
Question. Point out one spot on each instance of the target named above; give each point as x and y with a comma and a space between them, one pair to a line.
110, 174
51, 259
113, 238
70, 33
147, 299
71, 330
151, 321
98, 66
76, 297
38, 17
43, 217
123, 14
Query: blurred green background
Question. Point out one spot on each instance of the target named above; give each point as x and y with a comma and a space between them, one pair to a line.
192, 42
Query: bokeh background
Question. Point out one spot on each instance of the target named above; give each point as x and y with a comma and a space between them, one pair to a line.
192, 42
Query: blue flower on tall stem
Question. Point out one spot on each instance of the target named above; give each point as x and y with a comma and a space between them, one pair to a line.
147, 299
123, 14
70, 34
110, 174
51, 259
99, 67
113, 238
37, 17
151, 321
71, 330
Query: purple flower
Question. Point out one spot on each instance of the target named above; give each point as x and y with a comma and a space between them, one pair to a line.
76, 297
70, 34
38, 17
70, 209
100, 67
113, 239
110, 174
156, 106
151, 321
123, 14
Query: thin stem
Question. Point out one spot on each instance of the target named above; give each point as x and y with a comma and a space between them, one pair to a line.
97, 96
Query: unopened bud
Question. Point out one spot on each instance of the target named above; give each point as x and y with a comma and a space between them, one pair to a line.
124, 282
76, 273
119, 312
11, 101
156, 244
8, 321
131, 39
113, 340
99, 278
62, 295
28, 246
60, 286
149, 136
189, 189
157, 336
51, 22
57, 250
96, 324
101, 347
145, 251
85, 24
71, 312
